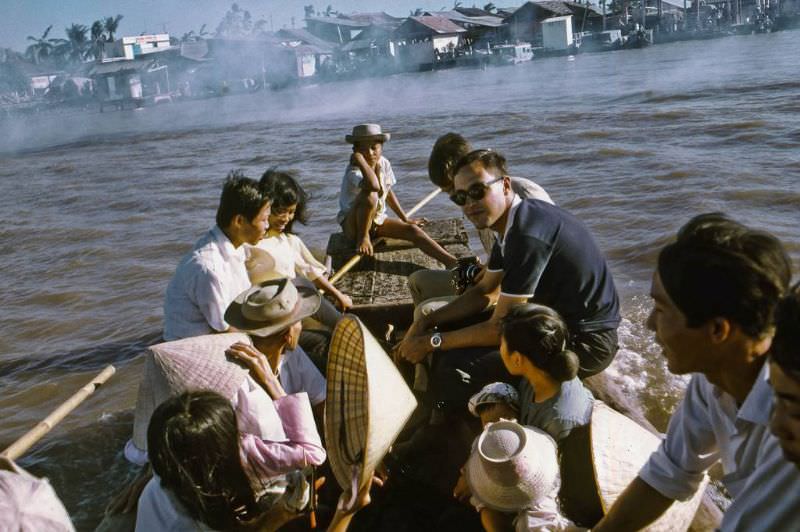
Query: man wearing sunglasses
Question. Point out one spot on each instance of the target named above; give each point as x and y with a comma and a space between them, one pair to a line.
542, 254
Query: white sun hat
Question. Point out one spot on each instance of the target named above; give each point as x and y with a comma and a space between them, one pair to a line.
29, 504
367, 406
512, 467
619, 448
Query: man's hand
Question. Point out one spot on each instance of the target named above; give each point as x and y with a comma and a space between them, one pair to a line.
419, 222
414, 348
343, 301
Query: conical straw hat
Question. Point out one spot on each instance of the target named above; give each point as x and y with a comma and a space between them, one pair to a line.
620, 447
368, 403
171, 368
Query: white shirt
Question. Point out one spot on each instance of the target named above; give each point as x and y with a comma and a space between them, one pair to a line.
298, 374
351, 186
206, 281
524, 189
291, 256
709, 426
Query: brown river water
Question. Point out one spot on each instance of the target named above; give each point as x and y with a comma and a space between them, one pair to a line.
97, 209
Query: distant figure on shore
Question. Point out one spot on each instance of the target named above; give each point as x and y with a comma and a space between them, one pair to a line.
784, 375
446, 152
715, 292
213, 273
367, 190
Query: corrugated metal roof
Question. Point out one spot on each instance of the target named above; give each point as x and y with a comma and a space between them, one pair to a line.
306, 37
338, 21
559, 8
380, 18
459, 18
438, 24
119, 66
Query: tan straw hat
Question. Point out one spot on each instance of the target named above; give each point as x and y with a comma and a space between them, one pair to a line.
620, 447
512, 467
272, 306
368, 403
171, 368
367, 132
260, 265
28, 503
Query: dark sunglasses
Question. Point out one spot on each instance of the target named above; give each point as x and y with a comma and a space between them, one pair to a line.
475, 192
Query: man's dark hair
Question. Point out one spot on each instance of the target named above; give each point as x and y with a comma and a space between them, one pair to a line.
490, 159
446, 152
240, 195
785, 348
284, 191
720, 268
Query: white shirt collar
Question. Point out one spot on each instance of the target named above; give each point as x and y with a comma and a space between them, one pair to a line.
226, 247
512, 213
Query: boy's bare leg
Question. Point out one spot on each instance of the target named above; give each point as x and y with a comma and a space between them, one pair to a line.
394, 228
358, 222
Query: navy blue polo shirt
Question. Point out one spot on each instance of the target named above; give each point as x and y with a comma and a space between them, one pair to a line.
549, 256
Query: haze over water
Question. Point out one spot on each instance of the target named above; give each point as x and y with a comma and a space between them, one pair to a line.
98, 208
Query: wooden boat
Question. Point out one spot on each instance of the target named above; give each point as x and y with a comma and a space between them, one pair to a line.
379, 288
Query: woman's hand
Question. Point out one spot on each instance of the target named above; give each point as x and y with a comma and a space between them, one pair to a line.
256, 361
343, 301
462, 492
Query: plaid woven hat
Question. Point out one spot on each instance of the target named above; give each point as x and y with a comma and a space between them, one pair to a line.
29, 504
171, 368
620, 447
368, 403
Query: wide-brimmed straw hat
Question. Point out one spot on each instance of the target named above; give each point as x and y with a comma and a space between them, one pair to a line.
272, 306
171, 368
364, 132
30, 503
619, 448
260, 265
368, 403
496, 392
512, 467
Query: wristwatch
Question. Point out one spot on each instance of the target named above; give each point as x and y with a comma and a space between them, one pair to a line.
436, 340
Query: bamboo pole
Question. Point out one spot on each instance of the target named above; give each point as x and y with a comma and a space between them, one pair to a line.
355, 258
19, 447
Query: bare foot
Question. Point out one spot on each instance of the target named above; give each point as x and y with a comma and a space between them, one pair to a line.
365, 247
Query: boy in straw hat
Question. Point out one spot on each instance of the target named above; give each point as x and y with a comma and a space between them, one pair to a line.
715, 290
271, 313
367, 190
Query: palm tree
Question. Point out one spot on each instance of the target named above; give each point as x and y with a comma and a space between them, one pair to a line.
75, 47
98, 39
111, 24
490, 7
41, 48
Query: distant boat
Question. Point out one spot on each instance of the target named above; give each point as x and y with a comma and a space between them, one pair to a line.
511, 54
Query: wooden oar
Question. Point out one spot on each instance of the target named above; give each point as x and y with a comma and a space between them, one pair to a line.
354, 259
18, 448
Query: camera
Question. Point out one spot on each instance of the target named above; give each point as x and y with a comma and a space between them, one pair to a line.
465, 272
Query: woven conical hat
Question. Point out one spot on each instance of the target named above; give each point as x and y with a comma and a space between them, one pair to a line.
171, 368
620, 447
368, 403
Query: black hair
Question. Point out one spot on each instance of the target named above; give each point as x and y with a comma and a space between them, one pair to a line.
193, 445
785, 350
284, 191
240, 195
720, 268
539, 334
446, 152
490, 159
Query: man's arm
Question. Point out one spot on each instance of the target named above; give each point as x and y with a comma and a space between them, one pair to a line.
370, 181
394, 203
486, 333
475, 299
638, 506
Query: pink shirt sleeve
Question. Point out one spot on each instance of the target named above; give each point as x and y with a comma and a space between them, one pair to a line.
302, 447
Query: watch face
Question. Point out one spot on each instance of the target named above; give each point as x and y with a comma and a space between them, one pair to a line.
436, 340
